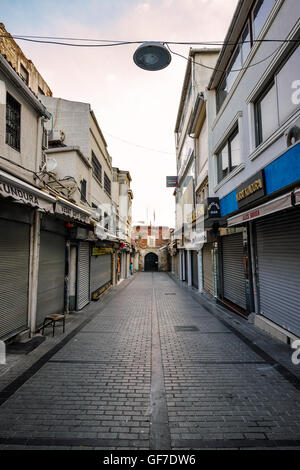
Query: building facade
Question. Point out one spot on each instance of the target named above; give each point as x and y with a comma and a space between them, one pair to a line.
255, 165
151, 248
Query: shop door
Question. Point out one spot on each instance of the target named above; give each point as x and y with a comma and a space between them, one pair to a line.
233, 269
14, 277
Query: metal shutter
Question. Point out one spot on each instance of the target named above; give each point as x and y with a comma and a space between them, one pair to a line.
186, 268
14, 273
83, 275
278, 252
208, 283
233, 269
100, 271
194, 269
50, 296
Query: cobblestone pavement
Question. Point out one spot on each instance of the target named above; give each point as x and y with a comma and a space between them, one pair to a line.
156, 367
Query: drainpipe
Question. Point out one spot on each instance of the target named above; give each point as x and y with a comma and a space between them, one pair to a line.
34, 270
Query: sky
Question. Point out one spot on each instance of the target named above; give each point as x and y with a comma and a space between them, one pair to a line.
134, 108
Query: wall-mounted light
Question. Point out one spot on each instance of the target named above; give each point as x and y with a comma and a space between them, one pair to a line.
152, 56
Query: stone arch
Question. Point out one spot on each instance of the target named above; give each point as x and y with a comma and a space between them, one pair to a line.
151, 262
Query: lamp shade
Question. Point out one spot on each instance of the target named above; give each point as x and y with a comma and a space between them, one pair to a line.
152, 56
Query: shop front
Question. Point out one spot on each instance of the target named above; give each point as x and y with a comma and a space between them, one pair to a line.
267, 210
19, 203
101, 271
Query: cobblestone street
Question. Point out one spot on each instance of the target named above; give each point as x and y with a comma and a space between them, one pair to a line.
157, 367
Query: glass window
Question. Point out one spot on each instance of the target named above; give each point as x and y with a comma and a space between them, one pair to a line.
83, 190
266, 115
13, 122
285, 78
235, 152
223, 162
260, 14
246, 45
234, 68
97, 167
221, 93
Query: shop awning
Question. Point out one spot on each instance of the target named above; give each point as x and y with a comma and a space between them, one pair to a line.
275, 205
297, 196
21, 192
71, 211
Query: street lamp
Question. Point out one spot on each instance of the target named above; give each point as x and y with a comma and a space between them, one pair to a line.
152, 56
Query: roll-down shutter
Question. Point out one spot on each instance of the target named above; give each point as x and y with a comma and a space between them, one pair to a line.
100, 271
194, 269
233, 269
50, 296
83, 275
278, 252
14, 273
186, 268
207, 268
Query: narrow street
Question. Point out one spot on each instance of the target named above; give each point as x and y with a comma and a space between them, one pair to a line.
153, 369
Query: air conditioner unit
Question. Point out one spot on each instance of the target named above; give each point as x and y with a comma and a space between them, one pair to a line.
45, 139
292, 135
57, 135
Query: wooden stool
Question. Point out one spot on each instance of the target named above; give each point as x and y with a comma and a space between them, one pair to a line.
53, 318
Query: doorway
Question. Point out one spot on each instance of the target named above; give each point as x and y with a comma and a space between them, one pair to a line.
151, 262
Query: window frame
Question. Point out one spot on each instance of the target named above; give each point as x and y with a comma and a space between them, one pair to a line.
13, 132
96, 166
107, 188
226, 143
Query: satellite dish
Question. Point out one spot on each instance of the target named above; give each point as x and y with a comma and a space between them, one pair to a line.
152, 56
51, 164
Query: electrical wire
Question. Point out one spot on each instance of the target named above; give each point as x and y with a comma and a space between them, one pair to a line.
189, 59
139, 146
111, 43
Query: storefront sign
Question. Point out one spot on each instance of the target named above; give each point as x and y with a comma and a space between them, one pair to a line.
275, 205
213, 208
96, 294
251, 190
70, 212
24, 195
172, 182
98, 251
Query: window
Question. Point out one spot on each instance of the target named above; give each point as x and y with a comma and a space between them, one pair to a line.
97, 211
255, 21
261, 12
275, 105
107, 184
229, 156
106, 220
83, 190
24, 74
97, 168
13, 122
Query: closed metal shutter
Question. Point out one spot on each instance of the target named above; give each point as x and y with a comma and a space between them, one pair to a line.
186, 269
100, 271
50, 295
83, 275
195, 269
208, 283
278, 252
14, 276
233, 269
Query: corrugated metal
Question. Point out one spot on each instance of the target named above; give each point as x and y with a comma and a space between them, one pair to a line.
233, 269
100, 271
195, 269
207, 261
278, 251
14, 273
186, 269
50, 296
83, 275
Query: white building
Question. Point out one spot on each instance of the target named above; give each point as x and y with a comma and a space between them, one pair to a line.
254, 163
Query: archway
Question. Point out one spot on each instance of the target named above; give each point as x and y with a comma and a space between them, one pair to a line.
151, 262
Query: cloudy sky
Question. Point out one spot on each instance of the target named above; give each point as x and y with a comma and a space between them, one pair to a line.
134, 108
